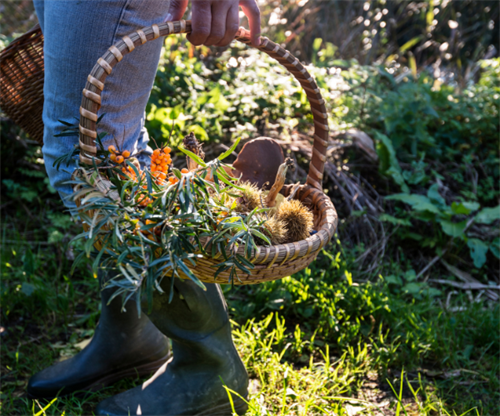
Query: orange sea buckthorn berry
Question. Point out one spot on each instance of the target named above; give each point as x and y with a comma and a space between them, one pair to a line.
143, 200
113, 157
119, 159
126, 153
112, 149
184, 170
160, 161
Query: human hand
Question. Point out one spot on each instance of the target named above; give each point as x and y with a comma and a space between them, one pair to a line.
215, 22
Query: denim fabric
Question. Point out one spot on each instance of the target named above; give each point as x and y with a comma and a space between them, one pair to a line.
76, 34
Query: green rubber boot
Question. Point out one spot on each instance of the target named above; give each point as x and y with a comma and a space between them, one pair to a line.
123, 346
204, 357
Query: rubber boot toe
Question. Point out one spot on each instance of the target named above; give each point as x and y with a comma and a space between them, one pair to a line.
168, 394
79, 374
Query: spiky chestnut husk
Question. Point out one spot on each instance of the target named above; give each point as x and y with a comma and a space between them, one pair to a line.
250, 197
274, 229
297, 219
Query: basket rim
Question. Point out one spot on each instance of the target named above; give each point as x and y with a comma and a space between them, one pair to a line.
288, 252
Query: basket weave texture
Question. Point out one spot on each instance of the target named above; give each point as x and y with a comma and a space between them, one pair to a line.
273, 262
21, 82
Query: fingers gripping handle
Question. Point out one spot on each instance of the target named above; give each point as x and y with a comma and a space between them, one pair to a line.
91, 100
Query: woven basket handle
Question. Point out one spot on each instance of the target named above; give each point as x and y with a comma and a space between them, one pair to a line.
91, 101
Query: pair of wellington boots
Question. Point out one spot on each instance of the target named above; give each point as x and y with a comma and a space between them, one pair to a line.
190, 378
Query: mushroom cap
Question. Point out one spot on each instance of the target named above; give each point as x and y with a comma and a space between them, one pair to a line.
258, 162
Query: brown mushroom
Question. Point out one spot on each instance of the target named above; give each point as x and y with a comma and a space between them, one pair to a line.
258, 162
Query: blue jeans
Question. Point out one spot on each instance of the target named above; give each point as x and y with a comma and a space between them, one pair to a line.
76, 34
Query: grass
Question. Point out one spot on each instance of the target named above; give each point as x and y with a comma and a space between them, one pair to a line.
357, 340
318, 343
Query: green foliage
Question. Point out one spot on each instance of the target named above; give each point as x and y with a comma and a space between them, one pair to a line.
329, 305
16, 18
439, 148
389, 164
5, 40
315, 341
454, 220
449, 35
423, 116
220, 97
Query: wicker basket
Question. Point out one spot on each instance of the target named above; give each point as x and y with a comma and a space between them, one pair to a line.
270, 262
21, 82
